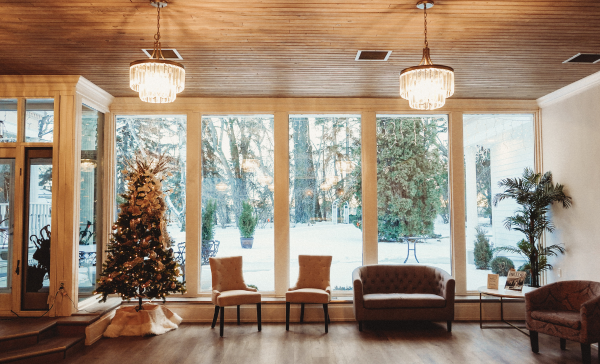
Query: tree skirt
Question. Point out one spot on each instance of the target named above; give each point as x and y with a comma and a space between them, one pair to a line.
152, 320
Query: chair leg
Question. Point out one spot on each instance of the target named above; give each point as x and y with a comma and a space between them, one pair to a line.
222, 321
586, 353
302, 312
359, 325
449, 325
533, 337
215, 317
563, 344
238, 314
287, 316
326, 316
258, 317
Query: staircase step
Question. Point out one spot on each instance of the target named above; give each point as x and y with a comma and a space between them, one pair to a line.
47, 350
23, 333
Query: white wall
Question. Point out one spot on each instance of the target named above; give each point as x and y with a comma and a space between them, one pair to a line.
571, 150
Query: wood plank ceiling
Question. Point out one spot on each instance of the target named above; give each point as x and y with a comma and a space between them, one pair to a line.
298, 48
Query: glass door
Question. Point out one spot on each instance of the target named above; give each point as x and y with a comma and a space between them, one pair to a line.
7, 182
36, 248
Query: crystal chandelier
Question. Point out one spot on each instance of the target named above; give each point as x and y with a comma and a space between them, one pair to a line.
427, 85
156, 79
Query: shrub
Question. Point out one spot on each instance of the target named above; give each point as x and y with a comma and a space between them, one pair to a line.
501, 266
209, 220
247, 222
483, 251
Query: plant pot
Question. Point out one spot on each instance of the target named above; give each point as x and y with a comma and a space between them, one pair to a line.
247, 243
4, 254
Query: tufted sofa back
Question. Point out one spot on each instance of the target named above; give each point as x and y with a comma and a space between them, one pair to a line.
227, 274
384, 278
314, 271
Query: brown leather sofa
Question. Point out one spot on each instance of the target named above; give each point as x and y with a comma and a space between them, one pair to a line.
404, 292
569, 310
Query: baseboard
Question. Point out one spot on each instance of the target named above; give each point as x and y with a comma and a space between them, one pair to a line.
275, 312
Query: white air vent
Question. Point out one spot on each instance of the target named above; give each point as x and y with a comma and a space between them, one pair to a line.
170, 54
372, 56
584, 58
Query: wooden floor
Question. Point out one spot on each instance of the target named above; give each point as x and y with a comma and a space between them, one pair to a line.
307, 343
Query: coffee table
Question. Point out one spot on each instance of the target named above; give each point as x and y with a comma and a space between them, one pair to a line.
502, 293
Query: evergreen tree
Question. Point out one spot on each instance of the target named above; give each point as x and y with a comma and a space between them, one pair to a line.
140, 262
411, 171
482, 251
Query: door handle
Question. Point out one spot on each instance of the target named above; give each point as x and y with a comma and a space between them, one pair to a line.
17, 270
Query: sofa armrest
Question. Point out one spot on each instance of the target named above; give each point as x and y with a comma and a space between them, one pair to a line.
251, 289
590, 320
448, 289
358, 288
215, 295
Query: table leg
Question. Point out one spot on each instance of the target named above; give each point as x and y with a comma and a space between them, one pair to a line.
480, 313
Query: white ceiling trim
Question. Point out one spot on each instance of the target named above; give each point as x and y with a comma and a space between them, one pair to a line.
570, 90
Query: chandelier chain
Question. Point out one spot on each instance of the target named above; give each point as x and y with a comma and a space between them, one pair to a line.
425, 18
157, 45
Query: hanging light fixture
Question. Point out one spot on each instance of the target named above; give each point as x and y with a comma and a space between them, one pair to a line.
427, 85
156, 79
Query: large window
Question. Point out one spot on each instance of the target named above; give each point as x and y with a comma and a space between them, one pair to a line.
89, 203
325, 193
412, 190
151, 135
237, 195
496, 147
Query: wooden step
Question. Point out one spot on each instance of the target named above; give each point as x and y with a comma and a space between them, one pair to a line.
47, 350
22, 333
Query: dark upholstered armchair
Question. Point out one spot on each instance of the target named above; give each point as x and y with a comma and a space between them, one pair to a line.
405, 292
569, 310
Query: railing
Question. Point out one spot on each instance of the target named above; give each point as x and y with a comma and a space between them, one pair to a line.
39, 216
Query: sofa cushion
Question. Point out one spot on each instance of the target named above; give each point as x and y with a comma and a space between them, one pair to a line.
403, 300
570, 319
237, 297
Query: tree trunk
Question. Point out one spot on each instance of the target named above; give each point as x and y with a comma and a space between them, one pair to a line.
304, 172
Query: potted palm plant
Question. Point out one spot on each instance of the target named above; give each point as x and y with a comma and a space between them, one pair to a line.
535, 193
247, 225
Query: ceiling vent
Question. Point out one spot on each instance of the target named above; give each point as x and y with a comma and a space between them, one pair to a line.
584, 58
170, 54
372, 55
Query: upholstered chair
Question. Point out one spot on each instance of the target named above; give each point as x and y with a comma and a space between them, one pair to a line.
229, 289
569, 310
312, 286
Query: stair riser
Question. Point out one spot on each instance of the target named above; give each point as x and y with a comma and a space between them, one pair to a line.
46, 359
26, 341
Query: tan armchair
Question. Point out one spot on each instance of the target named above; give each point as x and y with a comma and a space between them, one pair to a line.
229, 289
569, 310
312, 286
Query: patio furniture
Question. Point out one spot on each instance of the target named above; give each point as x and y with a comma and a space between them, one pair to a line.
385, 292
569, 310
312, 286
209, 250
229, 289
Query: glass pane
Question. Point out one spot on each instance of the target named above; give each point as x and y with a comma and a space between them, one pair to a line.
8, 120
237, 190
325, 193
412, 190
496, 147
40, 202
158, 134
39, 120
89, 213
7, 180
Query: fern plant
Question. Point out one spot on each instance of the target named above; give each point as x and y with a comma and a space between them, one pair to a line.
535, 193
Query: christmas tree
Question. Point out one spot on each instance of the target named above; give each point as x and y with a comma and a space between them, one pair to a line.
140, 262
